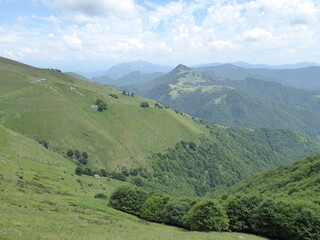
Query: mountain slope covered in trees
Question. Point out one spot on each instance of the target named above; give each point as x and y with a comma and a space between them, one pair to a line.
246, 102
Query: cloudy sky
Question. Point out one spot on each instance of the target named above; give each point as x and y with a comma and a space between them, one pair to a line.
94, 34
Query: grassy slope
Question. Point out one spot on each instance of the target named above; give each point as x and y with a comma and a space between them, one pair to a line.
59, 110
298, 180
41, 198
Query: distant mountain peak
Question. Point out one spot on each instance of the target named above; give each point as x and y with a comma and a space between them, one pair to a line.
181, 67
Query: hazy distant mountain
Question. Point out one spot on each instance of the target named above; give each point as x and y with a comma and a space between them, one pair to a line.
122, 69
91, 74
137, 77
250, 65
133, 78
105, 80
247, 102
304, 78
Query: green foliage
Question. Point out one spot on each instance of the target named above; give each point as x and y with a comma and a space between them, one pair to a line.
298, 180
144, 104
175, 211
104, 173
128, 199
70, 153
101, 196
226, 157
207, 215
44, 143
294, 220
101, 105
137, 181
88, 171
79, 171
113, 95
153, 208
118, 175
240, 210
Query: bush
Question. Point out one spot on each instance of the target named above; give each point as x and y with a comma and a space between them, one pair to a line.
88, 172
113, 95
79, 171
137, 181
129, 199
134, 171
153, 208
175, 211
70, 153
104, 173
207, 215
101, 105
144, 104
240, 211
101, 196
119, 176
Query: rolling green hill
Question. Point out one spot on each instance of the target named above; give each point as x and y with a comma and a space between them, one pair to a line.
147, 146
42, 198
47, 104
248, 102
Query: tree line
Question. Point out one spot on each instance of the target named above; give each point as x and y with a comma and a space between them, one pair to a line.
281, 219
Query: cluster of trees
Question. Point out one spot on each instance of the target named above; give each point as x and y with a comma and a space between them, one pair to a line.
135, 175
254, 214
101, 105
81, 157
124, 92
224, 158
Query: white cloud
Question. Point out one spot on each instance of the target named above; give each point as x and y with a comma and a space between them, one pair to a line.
72, 41
51, 18
178, 31
256, 34
123, 8
218, 44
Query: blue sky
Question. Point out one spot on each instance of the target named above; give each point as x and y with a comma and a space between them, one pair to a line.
93, 35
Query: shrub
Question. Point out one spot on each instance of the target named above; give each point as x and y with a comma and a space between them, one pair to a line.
101, 105
207, 215
153, 208
137, 181
119, 176
104, 173
70, 153
129, 199
79, 171
113, 95
240, 212
88, 172
144, 104
175, 211
101, 196
134, 171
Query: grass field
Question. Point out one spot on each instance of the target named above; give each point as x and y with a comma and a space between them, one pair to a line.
42, 198
58, 109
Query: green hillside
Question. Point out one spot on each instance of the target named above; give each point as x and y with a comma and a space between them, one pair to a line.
298, 180
148, 146
247, 102
57, 108
42, 198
